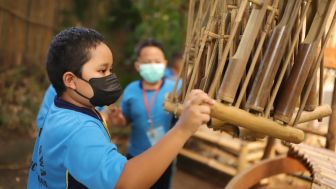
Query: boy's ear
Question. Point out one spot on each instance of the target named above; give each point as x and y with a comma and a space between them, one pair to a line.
137, 66
68, 80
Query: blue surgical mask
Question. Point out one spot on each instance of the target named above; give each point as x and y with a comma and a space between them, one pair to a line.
152, 72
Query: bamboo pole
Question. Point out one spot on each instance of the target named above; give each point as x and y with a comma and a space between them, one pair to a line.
319, 112
282, 73
221, 65
315, 67
237, 65
294, 84
258, 52
200, 51
269, 66
249, 121
242, 160
331, 135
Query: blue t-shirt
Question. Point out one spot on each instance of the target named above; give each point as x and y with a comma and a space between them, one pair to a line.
48, 99
133, 108
73, 148
168, 73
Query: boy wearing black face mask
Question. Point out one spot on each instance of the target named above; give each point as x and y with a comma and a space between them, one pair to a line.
73, 148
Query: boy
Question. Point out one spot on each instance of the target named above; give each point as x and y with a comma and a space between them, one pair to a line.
142, 104
73, 148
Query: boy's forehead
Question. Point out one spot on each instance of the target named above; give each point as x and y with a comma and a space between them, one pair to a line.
151, 52
102, 52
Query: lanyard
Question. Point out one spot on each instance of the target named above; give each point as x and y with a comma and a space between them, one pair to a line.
103, 121
149, 106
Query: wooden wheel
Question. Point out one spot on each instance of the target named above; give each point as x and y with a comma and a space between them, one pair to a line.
264, 169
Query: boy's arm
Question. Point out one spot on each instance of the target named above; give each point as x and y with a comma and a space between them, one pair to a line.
143, 170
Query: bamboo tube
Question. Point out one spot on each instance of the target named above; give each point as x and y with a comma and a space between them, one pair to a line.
293, 86
311, 131
271, 61
289, 96
249, 121
310, 82
221, 65
242, 160
313, 97
331, 136
211, 68
282, 73
258, 52
254, 146
254, 156
222, 30
320, 91
200, 52
268, 149
319, 112
238, 62
184, 71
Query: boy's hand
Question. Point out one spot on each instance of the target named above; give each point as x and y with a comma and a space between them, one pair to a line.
116, 117
196, 111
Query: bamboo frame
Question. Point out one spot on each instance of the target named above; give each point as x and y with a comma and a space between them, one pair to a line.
208, 51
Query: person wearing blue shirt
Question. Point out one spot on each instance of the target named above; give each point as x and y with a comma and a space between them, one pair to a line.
73, 148
142, 104
175, 66
48, 99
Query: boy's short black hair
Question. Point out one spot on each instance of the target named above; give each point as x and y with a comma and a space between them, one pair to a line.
68, 52
150, 42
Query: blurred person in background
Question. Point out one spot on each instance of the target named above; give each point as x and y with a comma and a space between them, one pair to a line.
142, 104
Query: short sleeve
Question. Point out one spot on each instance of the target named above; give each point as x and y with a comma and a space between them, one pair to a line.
93, 160
125, 106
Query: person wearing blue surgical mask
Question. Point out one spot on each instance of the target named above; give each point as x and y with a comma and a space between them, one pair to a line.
142, 104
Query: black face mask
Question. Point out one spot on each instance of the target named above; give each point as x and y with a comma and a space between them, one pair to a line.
106, 90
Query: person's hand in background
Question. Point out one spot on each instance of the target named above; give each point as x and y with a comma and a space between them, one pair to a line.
115, 116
